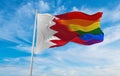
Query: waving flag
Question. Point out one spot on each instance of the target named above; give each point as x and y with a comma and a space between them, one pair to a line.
78, 27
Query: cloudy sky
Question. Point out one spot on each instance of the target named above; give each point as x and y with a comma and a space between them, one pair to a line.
16, 30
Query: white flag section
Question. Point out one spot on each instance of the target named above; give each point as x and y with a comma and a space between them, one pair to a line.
44, 33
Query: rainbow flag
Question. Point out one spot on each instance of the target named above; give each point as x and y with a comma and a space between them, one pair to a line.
58, 30
78, 27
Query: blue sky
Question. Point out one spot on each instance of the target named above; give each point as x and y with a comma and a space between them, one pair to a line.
16, 30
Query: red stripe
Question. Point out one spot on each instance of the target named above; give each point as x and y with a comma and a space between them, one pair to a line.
79, 15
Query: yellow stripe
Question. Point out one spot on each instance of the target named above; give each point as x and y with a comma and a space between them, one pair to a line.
78, 22
93, 26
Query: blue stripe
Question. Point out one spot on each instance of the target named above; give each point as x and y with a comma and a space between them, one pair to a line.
88, 37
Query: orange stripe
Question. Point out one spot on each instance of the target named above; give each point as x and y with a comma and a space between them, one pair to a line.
77, 22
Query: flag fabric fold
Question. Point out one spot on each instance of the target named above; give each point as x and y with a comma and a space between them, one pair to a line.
58, 30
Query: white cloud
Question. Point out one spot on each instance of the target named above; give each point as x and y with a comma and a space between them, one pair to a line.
24, 48
44, 67
111, 16
76, 71
43, 6
111, 34
16, 28
84, 9
14, 71
96, 60
60, 10
75, 9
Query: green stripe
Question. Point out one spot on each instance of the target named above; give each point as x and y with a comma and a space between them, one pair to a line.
95, 32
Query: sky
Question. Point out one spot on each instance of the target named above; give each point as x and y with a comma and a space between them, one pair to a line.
16, 31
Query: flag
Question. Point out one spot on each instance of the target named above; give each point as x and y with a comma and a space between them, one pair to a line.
58, 30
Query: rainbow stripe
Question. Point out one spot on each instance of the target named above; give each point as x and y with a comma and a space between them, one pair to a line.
78, 27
